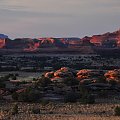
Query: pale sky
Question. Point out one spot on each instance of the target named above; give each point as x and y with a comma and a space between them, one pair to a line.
58, 18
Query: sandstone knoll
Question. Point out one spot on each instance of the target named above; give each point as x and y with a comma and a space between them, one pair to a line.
83, 75
113, 75
81, 45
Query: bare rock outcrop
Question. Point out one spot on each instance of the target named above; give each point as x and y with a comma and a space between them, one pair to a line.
113, 75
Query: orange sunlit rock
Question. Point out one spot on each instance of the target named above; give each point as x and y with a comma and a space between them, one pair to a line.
2, 43
113, 75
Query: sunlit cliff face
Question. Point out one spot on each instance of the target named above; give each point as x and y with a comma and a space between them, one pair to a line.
41, 42
107, 40
108, 37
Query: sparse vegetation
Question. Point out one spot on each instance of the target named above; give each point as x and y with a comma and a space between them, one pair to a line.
29, 95
66, 86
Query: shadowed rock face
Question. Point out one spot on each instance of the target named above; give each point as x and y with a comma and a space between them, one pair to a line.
2, 43
2, 40
107, 40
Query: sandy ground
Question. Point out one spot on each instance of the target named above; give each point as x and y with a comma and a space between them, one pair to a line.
63, 117
60, 111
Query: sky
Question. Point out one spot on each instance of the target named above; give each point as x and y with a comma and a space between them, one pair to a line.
58, 18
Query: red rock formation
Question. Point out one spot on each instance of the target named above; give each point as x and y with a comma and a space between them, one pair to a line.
86, 43
2, 40
98, 39
2, 43
113, 75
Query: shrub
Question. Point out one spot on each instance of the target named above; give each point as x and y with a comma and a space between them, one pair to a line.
34, 79
70, 81
29, 96
83, 90
15, 96
44, 102
44, 82
117, 111
15, 109
87, 99
71, 97
51, 112
91, 99
2, 85
23, 97
101, 79
36, 111
103, 93
13, 77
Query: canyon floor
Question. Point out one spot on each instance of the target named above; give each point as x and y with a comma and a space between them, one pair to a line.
61, 111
